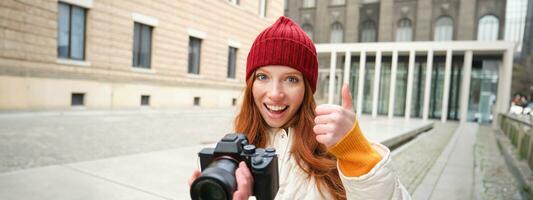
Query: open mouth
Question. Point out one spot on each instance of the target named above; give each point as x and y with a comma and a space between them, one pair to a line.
276, 109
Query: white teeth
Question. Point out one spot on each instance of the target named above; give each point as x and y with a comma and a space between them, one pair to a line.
276, 108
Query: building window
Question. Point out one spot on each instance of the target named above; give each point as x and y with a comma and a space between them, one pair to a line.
309, 3
443, 29
145, 100
338, 2
488, 28
194, 55
77, 99
262, 8
71, 33
232, 58
142, 45
196, 101
308, 29
235, 2
368, 31
233, 101
404, 32
337, 33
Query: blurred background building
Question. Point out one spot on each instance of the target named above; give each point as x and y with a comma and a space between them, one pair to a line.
98, 54
406, 22
126, 54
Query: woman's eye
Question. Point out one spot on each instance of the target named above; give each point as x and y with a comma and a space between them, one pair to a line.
260, 77
292, 79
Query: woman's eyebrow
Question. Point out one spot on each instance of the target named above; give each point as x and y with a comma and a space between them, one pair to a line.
292, 74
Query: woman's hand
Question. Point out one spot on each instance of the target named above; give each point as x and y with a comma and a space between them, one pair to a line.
244, 181
193, 177
332, 122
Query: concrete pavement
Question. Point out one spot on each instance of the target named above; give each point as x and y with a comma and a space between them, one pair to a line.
159, 174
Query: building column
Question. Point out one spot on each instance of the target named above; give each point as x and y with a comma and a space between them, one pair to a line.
332, 68
347, 69
446, 92
409, 84
465, 86
503, 97
362, 63
386, 21
427, 88
393, 83
375, 92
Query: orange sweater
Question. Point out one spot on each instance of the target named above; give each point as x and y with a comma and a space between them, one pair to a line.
355, 155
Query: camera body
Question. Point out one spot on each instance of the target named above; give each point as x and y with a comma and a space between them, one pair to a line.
219, 164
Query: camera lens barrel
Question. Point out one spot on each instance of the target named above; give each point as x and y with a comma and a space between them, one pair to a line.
217, 181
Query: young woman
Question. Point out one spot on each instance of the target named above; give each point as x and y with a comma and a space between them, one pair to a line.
322, 153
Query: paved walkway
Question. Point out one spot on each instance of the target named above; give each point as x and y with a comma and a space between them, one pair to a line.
469, 166
159, 174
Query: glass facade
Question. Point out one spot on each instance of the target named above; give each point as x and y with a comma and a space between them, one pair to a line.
483, 90
384, 86
401, 85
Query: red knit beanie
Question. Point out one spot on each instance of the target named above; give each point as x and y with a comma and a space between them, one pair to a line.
284, 43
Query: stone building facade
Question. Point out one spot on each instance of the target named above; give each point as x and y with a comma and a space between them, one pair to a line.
126, 54
386, 16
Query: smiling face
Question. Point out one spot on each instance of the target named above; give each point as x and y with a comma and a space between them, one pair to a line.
278, 92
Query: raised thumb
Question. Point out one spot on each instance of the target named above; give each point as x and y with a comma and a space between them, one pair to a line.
346, 97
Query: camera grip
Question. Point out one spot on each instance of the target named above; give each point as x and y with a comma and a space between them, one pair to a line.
266, 182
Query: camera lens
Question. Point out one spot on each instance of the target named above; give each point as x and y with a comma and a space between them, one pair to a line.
211, 190
217, 181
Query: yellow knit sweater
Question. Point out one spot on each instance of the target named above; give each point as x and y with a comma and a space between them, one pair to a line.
355, 155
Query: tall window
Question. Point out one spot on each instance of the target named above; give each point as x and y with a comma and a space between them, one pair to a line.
194, 55
262, 8
142, 45
404, 32
368, 31
232, 61
488, 27
308, 29
338, 2
71, 32
337, 33
235, 2
309, 3
443, 29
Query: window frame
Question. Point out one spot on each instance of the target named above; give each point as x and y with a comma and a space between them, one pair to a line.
232, 74
340, 28
139, 51
308, 4
435, 31
190, 68
374, 29
70, 21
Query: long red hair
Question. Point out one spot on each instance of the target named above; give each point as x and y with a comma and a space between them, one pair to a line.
311, 156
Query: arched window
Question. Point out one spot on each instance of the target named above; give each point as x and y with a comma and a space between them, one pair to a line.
338, 2
443, 29
487, 28
368, 31
404, 32
337, 33
309, 3
308, 29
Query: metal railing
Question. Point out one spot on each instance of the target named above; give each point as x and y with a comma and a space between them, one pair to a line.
520, 134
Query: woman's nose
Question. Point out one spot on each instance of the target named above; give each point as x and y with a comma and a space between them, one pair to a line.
276, 92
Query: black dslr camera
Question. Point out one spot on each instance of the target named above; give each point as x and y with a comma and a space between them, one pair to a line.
218, 181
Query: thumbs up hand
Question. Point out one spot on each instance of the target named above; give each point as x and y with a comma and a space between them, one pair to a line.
332, 122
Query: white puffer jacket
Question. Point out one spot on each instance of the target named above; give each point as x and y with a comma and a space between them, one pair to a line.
380, 183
